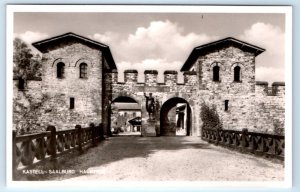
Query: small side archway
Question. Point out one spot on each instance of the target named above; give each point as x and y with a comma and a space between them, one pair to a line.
125, 115
175, 117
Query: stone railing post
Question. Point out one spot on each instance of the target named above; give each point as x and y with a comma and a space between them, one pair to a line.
14, 159
52, 150
236, 140
263, 142
52, 147
217, 136
79, 134
93, 128
101, 131
253, 144
244, 139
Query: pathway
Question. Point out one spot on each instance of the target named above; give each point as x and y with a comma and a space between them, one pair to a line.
168, 158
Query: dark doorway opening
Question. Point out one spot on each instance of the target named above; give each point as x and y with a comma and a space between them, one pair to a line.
175, 118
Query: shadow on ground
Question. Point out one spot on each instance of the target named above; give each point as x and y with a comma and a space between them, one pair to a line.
115, 149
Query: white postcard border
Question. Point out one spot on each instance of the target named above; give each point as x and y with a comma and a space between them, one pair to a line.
287, 10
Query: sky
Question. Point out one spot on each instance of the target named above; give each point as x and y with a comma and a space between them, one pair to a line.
163, 41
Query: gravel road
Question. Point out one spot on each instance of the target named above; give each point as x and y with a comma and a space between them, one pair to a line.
134, 158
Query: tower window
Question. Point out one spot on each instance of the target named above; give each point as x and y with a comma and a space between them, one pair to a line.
237, 73
60, 70
72, 102
216, 73
83, 70
21, 84
226, 105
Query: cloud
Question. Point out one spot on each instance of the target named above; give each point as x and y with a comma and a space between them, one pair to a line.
270, 38
269, 74
164, 45
159, 40
107, 38
270, 64
31, 36
150, 64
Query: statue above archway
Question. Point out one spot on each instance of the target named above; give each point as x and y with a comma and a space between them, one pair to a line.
150, 106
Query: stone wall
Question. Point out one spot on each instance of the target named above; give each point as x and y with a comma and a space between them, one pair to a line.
27, 106
87, 92
160, 91
227, 58
249, 104
270, 107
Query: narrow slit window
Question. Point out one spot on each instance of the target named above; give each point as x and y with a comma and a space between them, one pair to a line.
237, 73
226, 105
216, 73
72, 103
21, 84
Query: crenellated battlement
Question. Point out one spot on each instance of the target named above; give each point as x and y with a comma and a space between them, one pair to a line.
219, 74
131, 76
262, 88
170, 77
151, 77
190, 77
114, 76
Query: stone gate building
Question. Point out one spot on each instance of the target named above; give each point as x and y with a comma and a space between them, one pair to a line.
80, 80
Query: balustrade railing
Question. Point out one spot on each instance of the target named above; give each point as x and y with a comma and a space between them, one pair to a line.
261, 144
31, 149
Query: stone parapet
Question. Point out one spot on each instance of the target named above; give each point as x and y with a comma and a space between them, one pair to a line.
278, 88
190, 77
151, 77
170, 77
262, 83
114, 76
130, 75
262, 88
151, 72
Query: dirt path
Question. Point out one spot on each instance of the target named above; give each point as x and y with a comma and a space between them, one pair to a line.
168, 158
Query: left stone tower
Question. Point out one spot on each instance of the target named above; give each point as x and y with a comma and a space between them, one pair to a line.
76, 81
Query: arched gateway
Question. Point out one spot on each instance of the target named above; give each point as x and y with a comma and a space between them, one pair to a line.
84, 95
175, 117
166, 99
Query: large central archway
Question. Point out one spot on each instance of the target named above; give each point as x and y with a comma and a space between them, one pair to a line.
175, 117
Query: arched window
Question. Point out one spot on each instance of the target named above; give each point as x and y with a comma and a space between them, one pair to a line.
237, 73
83, 70
216, 73
60, 70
